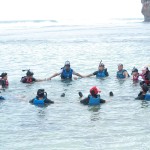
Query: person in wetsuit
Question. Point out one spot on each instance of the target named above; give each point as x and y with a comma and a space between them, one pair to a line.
101, 72
142, 94
93, 98
135, 74
41, 98
145, 76
122, 73
29, 78
66, 72
3, 81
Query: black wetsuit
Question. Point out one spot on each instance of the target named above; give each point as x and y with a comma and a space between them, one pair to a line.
141, 96
24, 80
105, 70
86, 100
3, 83
147, 77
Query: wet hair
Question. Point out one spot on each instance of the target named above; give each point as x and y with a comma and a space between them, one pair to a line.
120, 65
3, 74
134, 70
67, 63
101, 64
29, 73
40, 93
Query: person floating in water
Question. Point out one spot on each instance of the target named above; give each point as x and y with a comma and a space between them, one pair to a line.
93, 98
66, 72
122, 73
3, 81
143, 95
146, 76
41, 98
29, 78
135, 74
101, 72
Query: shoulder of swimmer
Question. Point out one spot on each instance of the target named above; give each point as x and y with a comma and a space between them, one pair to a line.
85, 101
46, 100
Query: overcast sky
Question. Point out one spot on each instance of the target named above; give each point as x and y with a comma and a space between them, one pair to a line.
68, 9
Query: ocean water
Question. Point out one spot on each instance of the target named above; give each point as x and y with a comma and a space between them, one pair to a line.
43, 46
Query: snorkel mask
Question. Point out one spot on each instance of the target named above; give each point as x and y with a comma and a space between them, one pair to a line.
29, 73
101, 64
41, 93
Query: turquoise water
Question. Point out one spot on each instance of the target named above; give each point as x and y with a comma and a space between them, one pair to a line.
122, 123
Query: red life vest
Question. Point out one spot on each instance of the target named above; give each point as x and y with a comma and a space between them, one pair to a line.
7, 83
135, 78
29, 80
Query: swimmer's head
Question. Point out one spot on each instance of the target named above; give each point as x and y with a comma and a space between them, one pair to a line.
134, 71
145, 69
101, 66
111, 93
94, 90
4, 75
120, 67
40, 93
67, 65
29, 73
63, 95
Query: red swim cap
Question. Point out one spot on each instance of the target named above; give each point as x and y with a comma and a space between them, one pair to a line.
95, 89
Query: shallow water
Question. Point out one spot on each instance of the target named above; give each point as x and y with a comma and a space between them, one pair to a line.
122, 123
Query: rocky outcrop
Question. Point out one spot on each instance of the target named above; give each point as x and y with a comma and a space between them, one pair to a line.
146, 10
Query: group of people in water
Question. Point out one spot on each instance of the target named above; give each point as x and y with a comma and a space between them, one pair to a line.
66, 73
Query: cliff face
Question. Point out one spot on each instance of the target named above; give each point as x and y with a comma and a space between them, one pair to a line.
146, 10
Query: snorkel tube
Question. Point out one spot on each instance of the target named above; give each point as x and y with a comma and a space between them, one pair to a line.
29, 73
101, 64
